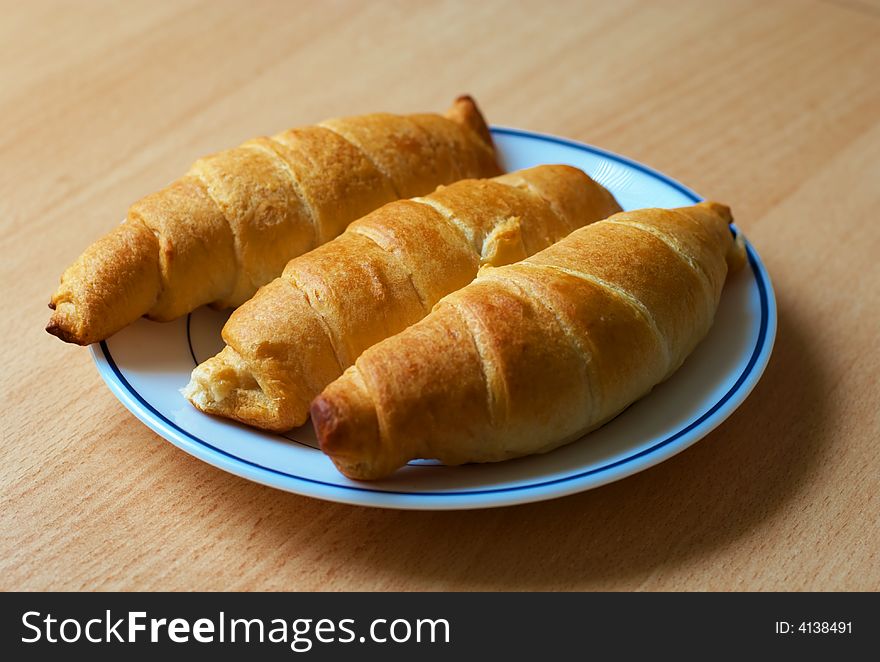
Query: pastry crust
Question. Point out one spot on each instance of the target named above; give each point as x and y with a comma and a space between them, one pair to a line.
235, 219
533, 355
385, 272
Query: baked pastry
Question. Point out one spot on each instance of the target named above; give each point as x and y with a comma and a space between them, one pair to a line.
234, 220
385, 272
533, 355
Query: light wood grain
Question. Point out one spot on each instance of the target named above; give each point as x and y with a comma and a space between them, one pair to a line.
772, 107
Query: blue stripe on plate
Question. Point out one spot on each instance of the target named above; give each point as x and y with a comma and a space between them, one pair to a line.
750, 366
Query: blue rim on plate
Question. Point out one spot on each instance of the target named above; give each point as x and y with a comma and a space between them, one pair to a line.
543, 489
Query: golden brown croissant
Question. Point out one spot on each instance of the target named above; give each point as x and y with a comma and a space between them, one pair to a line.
533, 355
383, 273
235, 219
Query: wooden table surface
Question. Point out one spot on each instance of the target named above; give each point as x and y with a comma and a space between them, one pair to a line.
773, 107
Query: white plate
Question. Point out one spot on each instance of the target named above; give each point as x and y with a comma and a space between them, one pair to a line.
146, 364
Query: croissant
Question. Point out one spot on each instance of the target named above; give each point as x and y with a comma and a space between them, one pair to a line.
385, 272
235, 219
533, 355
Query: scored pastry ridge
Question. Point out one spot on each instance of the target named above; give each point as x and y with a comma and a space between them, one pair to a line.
526, 278
398, 258
620, 293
